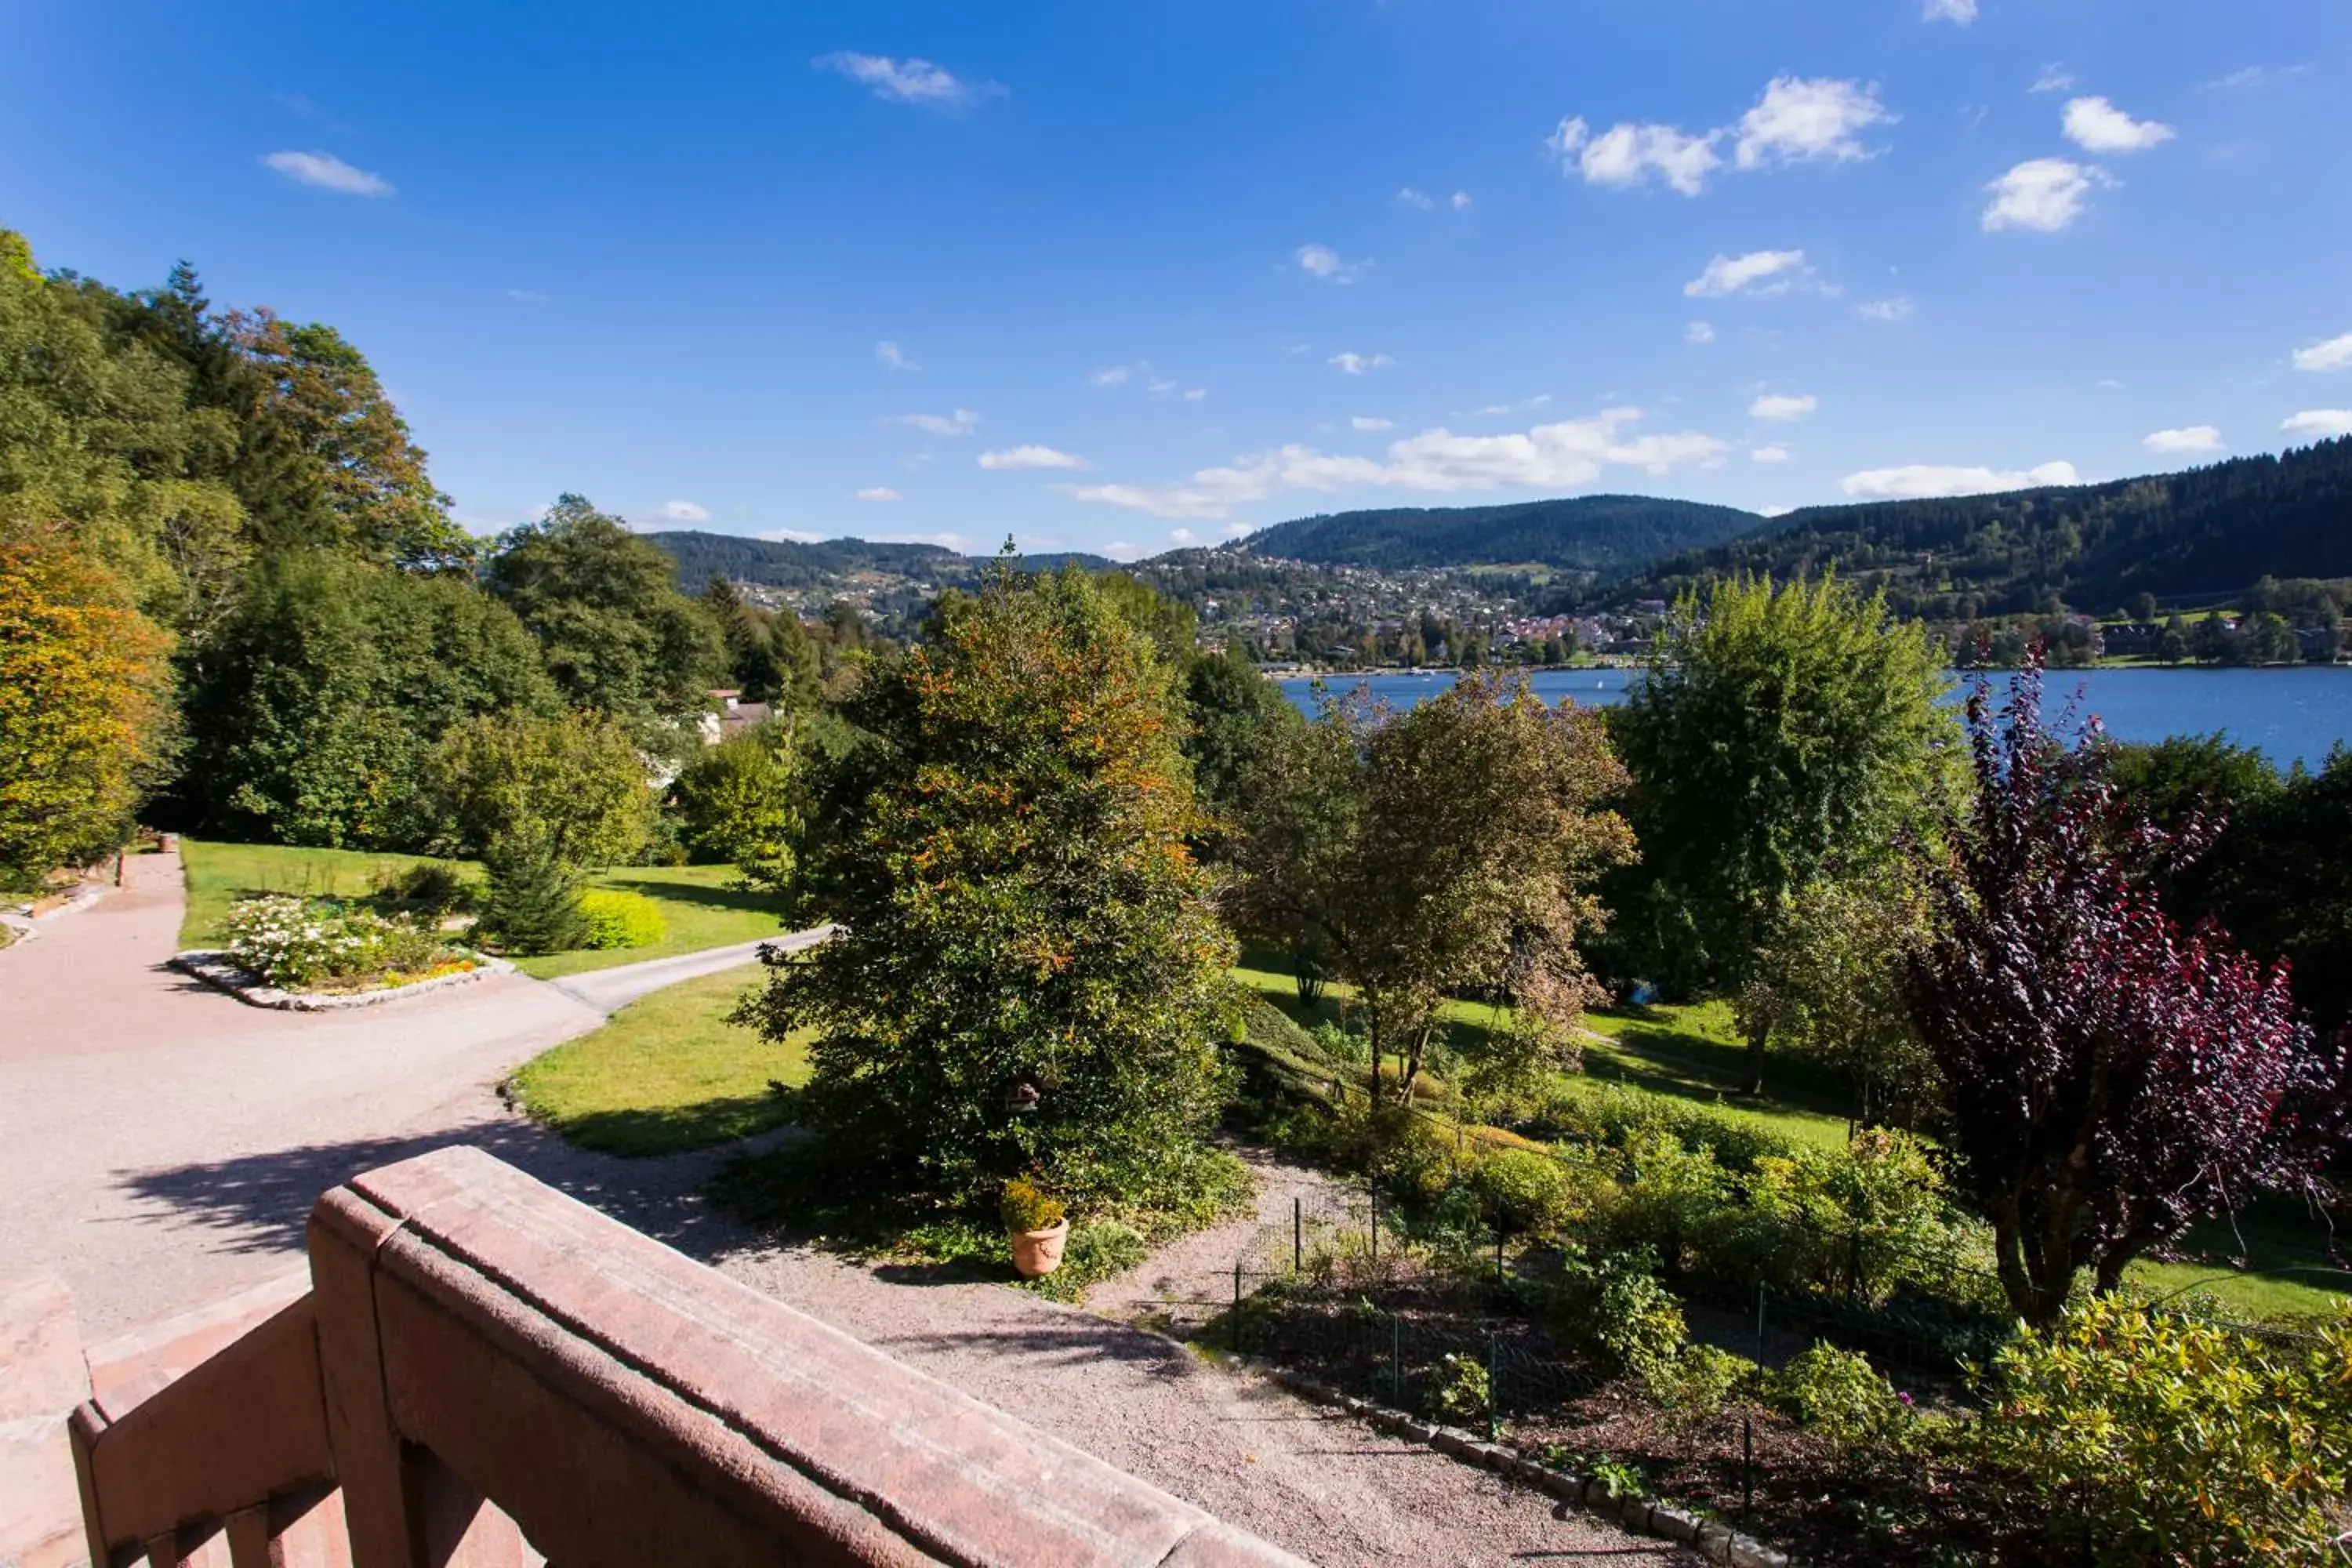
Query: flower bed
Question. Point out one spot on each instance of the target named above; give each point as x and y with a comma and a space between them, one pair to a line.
291, 952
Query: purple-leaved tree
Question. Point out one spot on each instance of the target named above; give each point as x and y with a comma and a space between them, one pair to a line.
2112, 1077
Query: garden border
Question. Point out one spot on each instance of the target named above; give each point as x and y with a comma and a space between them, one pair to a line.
219, 971
1643, 1516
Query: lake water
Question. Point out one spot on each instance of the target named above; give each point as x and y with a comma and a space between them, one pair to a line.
2292, 714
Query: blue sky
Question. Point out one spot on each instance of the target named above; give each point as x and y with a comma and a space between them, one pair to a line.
1139, 275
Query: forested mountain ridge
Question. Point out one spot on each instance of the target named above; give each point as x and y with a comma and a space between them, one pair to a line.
2206, 532
788, 564
1604, 534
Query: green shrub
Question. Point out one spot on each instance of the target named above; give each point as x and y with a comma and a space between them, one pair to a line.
534, 899
1839, 1395
1100, 1248
431, 888
616, 920
1461, 1390
1696, 1382
2154, 1437
1027, 1207
1525, 1191
1639, 1322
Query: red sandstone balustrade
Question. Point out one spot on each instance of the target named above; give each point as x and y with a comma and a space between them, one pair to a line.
486, 1373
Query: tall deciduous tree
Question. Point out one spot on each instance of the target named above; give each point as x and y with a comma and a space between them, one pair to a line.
604, 605
317, 697
329, 460
1459, 859
1237, 718
81, 675
2111, 1077
1030, 972
1827, 985
1782, 734
573, 785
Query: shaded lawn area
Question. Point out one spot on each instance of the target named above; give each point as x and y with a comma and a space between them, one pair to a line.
1684, 1053
666, 1074
700, 903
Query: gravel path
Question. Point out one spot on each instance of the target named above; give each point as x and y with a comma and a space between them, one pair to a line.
1231, 1441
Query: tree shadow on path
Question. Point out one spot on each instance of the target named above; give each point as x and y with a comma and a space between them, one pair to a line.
258, 1203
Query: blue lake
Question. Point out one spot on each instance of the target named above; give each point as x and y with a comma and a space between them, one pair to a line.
2293, 715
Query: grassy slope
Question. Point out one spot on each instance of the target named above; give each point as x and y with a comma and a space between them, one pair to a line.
1695, 1053
668, 1073
700, 904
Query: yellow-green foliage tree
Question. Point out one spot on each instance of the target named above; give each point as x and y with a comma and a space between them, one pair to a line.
1030, 972
81, 675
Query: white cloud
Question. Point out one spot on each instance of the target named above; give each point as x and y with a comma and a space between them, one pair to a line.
1803, 122
526, 296
1885, 312
328, 173
1366, 422
1521, 406
1322, 261
1548, 457
1757, 272
1030, 457
1698, 332
2041, 194
2319, 424
1774, 510
1769, 454
1917, 481
2336, 354
1194, 393
2097, 126
1782, 406
2250, 77
796, 535
2193, 439
877, 492
962, 422
1461, 201
1796, 119
1960, 11
1161, 386
956, 541
909, 81
683, 512
1413, 198
1183, 536
1112, 375
2054, 78
886, 355
1631, 154
1238, 529
1122, 549
1356, 365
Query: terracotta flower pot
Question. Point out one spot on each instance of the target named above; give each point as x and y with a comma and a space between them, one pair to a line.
1037, 1252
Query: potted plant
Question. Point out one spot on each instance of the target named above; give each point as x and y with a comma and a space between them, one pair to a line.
1038, 1223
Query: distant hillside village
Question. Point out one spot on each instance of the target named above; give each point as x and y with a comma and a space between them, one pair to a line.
2244, 562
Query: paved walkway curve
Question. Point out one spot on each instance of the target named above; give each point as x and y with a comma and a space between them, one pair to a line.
160, 1144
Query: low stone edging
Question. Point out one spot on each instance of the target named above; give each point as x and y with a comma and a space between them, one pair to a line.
220, 972
1718, 1542
27, 923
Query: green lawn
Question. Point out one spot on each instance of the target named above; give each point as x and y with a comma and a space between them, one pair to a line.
1687, 1053
1695, 1053
700, 903
666, 1073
